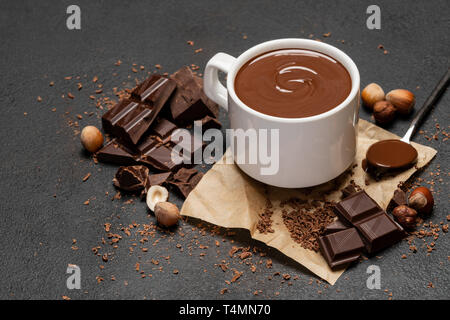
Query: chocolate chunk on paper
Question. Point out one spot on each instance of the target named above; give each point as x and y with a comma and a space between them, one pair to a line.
227, 197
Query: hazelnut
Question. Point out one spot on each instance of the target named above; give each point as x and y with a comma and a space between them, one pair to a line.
405, 216
156, 194
403, 100
383, 112
422, 200
91, 138
167, 214
371, 94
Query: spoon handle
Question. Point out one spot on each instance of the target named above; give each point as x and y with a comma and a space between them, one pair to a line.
429, 103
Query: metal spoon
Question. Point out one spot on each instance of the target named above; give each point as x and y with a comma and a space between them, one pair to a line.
398, 154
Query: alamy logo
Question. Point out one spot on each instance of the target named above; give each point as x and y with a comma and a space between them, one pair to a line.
252, 146
74, 281
374, 20
374, 280
73, 21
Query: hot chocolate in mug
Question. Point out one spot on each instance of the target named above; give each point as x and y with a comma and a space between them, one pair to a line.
312, 149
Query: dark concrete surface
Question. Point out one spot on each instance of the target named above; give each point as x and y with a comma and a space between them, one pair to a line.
42, 163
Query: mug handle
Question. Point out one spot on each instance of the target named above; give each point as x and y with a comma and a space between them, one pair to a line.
212, 86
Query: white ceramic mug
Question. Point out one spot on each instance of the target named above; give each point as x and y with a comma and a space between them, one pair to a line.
312, 150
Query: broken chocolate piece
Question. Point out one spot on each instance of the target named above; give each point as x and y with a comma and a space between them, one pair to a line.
184, 174
210, 123
162, 128
114, 152
350, 189
132, 178
341, 248
158, 179
189, 102
399, 198
160, 157
186, 180
129, 120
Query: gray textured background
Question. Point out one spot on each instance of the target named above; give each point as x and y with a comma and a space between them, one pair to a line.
41, 156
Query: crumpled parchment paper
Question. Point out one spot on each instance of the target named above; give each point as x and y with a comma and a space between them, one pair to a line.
227, 197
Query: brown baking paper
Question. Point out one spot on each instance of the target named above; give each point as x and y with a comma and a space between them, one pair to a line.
229, 198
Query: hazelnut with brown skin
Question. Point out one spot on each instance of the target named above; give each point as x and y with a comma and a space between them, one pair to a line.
421, 200
91, 138
371, 94
167, 214
403, 100
383, 112
405, 216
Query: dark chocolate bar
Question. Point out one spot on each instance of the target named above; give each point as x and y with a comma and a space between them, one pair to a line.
377, 229
341, 248
115, 152
130, 120
116, 113
189, 102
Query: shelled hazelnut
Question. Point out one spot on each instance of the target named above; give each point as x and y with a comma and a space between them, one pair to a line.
383, 112
405, 216
421, 200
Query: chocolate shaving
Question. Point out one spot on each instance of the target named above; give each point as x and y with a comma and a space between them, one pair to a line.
306, 221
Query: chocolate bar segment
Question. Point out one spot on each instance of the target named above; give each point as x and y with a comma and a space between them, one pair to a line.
154, 90
114, 152
160, 157
116, 113
341, 248
377, 229
130, 120
380, 232
162, 128
189, 102
336, 226
357, 207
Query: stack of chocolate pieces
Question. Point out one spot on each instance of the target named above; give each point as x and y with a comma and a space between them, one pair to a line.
145, 127
362, 226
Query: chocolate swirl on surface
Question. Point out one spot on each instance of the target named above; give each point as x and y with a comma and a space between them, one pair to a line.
292, 83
